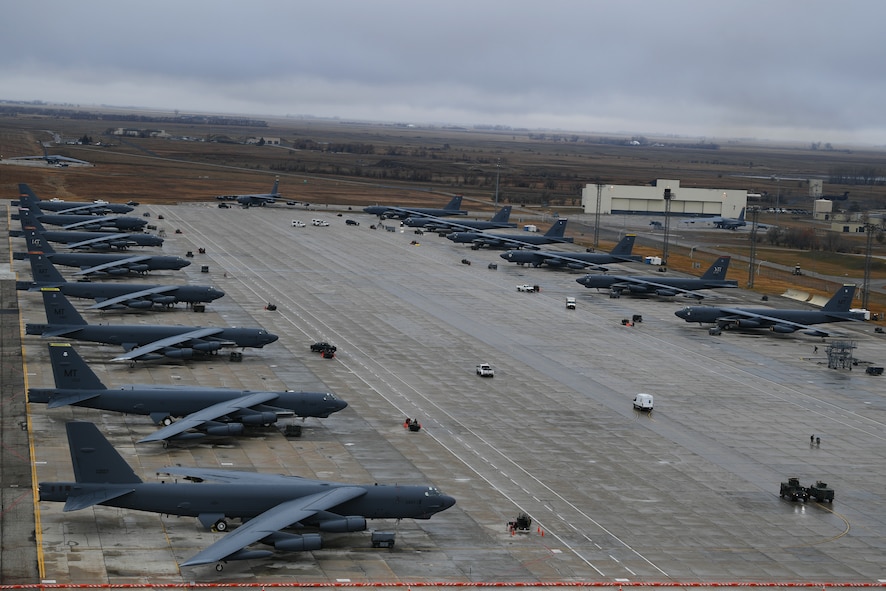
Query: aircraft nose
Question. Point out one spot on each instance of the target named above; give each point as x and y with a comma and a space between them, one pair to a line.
270, 338
182, 263
214, 293
683, 313
505, 255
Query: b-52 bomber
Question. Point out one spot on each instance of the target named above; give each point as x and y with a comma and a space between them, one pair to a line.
257, 199
267, 503
621, 253
435, 224
96, 263
69, 221
837, 309
84, 239
478, 240
140, 341
60, 206
187, 412
714, 278
139, 296
401, 213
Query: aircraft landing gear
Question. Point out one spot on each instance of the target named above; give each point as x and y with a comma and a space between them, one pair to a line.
219, 567
220, 525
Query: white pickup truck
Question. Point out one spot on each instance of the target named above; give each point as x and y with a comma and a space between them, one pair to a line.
526, 287
485, 370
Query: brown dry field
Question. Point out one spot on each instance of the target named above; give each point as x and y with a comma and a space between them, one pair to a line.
357, 164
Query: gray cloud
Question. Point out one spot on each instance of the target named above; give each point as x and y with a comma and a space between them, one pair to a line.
806, 71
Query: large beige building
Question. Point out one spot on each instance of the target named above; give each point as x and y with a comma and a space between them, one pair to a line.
642, 199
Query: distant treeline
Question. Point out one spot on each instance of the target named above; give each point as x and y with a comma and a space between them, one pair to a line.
15, 110
856, 175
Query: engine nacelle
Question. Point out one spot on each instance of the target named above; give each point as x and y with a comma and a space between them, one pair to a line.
139, 268
183, 353
576, 265
117, 271
301, 543
748, 323
164, 300
665, 292
140, 304
258, 418
224, 429
345, 524
783, 328
208, 346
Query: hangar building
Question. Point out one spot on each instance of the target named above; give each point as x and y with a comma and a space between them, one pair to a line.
649, 199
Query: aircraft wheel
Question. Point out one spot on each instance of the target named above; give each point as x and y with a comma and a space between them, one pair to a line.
219, 567
221, 525
167, 421
131, 364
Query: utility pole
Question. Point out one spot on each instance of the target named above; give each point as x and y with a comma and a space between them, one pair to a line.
866, 283
497, 171
752, 259
597, 217
668, 195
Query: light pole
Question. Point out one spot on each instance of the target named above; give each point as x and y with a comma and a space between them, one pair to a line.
777, 196
497, 170
668, 195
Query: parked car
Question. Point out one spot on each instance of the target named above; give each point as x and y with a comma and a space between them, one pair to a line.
298, 224
352, 222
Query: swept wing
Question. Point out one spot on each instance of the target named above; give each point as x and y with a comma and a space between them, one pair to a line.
196, 419
273, 520
734, 314
100, 239
172, 341
158, 289
122, 263
626, 281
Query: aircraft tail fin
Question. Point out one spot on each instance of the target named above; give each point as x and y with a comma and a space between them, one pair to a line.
59, 310
841, 301
557, 230
625, 246
36, 242
43, 270
454, 203
94, 458
276, 186
70, 371
718, 269
502, 215
741, 215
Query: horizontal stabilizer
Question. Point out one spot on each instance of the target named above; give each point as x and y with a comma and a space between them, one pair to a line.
68, 399
82, 501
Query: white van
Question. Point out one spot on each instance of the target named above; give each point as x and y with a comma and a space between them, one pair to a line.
643, 401
570, 303
319, 222
298, 224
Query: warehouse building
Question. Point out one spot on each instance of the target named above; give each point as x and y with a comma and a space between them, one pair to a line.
650, 199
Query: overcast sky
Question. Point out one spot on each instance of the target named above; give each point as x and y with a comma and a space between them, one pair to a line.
805, 70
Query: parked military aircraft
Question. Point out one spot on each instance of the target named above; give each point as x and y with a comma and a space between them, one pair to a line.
140, 341
435, 224
267, 503
78, 207
713, 278
621, 253
188, 412
781, 321
27, 197
89, 222
723, 223
256, 199
139, 296
94, 263
525, 240
54, 159
401, 213
94, 240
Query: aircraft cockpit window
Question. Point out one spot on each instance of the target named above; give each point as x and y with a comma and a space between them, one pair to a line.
432, 492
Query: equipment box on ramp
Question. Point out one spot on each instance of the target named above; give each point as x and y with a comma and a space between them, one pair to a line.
383, 539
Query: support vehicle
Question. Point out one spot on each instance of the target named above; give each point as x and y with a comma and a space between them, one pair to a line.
485, 370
